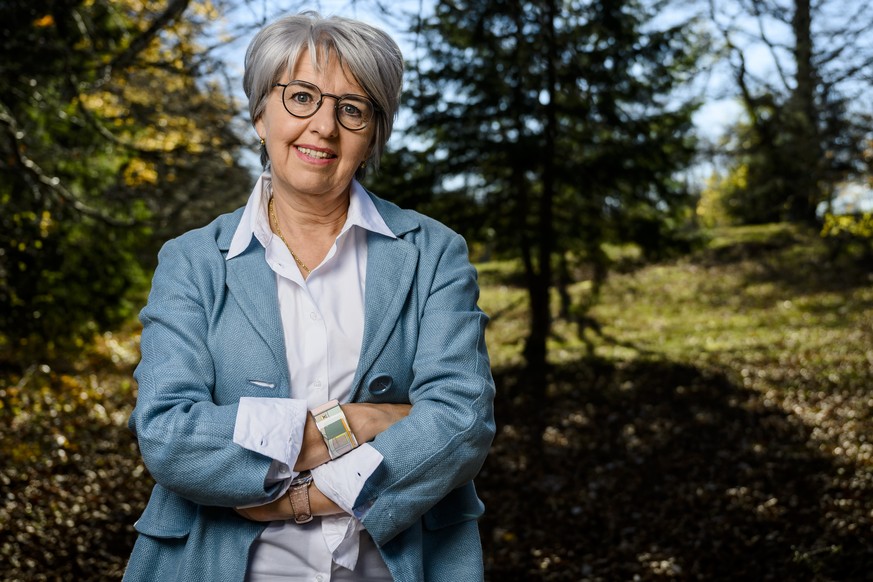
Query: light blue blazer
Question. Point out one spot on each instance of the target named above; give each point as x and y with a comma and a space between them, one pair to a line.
212, 334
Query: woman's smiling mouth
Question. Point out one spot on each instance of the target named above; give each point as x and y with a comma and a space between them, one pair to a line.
317, 154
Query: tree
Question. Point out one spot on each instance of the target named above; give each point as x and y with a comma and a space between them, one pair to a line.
112, 138
805, 125
562, 121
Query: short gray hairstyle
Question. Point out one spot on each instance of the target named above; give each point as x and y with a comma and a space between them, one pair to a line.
368, 53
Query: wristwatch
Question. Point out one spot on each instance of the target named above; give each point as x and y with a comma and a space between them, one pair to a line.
298, 493
334, 428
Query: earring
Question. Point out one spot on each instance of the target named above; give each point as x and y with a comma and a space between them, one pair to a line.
263, 142
363, 165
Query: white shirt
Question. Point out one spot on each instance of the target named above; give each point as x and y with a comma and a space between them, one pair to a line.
323, 323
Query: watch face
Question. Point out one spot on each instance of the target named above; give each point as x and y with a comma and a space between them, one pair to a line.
303, 478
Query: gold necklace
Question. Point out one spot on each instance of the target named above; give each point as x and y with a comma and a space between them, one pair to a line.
275, 222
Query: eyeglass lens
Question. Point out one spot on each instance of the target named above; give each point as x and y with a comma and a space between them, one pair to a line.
303, 99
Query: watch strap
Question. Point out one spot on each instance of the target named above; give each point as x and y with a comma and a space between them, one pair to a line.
298, 494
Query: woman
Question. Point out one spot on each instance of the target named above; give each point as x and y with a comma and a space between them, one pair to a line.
316, 291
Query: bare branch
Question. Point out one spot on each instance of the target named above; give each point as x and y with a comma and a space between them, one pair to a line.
764, 37
848, 38
852, 72
741, 73
775, 12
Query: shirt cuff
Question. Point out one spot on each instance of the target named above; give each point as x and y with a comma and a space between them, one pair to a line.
342, 479
272, 427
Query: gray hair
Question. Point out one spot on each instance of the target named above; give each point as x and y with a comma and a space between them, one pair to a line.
368, 53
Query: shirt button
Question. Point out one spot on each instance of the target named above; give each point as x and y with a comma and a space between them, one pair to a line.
319, 578
317, 383
313, 316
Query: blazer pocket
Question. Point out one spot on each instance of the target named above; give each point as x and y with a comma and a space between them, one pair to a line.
261, 383
166, 515
461, 504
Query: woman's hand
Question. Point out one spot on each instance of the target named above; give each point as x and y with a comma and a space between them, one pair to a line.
366, 421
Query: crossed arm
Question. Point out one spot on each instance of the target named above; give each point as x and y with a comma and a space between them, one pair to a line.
366, 421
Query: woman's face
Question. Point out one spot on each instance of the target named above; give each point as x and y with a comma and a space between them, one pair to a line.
315, 156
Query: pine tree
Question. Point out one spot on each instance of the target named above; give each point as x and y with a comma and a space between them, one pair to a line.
563, 120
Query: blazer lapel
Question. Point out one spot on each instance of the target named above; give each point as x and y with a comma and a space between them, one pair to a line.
253, 284
391, 267
390, 271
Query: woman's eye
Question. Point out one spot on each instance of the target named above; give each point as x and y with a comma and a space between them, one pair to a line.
351, 110
302, 98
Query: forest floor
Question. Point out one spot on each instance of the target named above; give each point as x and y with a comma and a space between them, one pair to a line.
710, 421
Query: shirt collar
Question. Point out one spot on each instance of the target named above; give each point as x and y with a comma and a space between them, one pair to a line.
255, 223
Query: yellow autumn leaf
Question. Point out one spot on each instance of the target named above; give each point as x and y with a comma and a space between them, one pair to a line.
140, 172
45, 21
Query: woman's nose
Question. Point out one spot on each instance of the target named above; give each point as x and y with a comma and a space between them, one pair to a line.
324, 120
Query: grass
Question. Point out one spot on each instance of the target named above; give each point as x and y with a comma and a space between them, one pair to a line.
715, 426
715, 423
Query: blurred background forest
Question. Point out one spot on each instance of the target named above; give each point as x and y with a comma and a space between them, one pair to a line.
669, 203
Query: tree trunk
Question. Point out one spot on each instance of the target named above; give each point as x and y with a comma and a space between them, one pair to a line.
565, 311
803, 118
541, 319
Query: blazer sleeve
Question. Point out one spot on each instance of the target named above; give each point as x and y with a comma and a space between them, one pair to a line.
443, 443
185, 438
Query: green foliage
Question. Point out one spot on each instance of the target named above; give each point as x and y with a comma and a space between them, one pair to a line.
112, 136
850, 236
62, 276
712, 207
858, 226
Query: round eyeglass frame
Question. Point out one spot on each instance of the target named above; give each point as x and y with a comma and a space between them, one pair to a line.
336, 98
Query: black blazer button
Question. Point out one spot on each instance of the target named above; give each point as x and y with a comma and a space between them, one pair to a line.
380, 384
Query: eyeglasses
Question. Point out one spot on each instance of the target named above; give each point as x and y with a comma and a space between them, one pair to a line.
302, 99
